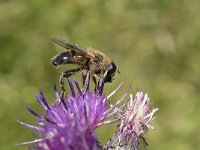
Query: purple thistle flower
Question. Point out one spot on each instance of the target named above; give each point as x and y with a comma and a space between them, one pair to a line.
70, 123
136, 118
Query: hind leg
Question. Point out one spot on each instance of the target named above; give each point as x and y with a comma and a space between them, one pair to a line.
64, 75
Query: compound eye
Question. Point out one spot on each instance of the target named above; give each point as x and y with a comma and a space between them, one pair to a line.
112, 68
111, 72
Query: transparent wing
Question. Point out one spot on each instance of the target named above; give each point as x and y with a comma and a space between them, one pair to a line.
68, 45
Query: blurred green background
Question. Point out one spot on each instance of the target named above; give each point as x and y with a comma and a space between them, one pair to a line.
154, 42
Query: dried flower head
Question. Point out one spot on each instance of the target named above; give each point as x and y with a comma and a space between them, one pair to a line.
136, 118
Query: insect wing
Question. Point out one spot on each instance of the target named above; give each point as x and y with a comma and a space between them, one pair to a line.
67, 44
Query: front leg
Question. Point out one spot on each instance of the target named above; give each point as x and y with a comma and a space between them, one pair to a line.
64, 75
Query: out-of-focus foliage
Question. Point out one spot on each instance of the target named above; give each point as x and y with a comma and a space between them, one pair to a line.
155, 43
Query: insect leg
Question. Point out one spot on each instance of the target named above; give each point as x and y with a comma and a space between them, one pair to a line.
95, 82
102, 78
87, 80
64, 75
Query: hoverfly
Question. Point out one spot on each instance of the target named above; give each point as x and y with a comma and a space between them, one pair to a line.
91, 60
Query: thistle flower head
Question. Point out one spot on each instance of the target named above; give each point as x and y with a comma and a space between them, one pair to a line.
69, 123
138, 114
136, 118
